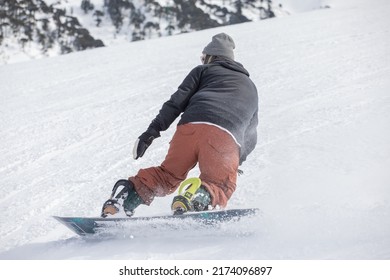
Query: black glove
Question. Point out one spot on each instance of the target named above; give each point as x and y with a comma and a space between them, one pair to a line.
144, 141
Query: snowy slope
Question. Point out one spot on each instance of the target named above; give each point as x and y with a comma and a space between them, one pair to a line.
320, 173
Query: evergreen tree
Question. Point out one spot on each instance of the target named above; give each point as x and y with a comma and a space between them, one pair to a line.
98, 17
86, 6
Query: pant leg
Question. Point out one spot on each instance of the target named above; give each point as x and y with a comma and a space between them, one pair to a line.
180, 159
218, 164
214, 149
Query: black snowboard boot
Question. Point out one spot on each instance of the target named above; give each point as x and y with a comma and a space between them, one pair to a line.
127, 197
201, 200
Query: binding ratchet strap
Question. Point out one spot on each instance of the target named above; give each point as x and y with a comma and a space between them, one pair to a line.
192, 184
187, 189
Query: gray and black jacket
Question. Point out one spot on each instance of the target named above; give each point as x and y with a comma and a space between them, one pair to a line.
219, 93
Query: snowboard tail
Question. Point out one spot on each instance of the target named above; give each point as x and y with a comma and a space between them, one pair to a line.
90, 225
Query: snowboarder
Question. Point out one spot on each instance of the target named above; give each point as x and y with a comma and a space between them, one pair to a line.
217, 130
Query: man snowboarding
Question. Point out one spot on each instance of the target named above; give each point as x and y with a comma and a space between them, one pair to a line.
218, 104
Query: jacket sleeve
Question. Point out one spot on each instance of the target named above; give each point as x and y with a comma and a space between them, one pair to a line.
172, 108
250, 139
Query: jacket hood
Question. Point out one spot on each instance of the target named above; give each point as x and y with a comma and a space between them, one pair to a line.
231, 64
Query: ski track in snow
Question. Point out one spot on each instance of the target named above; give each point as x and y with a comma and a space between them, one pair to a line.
319, 173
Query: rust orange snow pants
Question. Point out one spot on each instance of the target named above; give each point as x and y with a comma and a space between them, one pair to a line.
212, 148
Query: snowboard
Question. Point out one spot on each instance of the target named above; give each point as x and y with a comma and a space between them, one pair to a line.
90, 225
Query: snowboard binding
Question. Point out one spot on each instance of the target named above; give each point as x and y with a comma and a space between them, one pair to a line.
111, 206
192, 197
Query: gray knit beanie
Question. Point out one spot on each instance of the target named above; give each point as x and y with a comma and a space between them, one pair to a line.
221, 45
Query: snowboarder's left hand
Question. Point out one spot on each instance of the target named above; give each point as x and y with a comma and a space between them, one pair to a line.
144, 141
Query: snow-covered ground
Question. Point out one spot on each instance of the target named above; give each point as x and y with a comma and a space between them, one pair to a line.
320, 173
